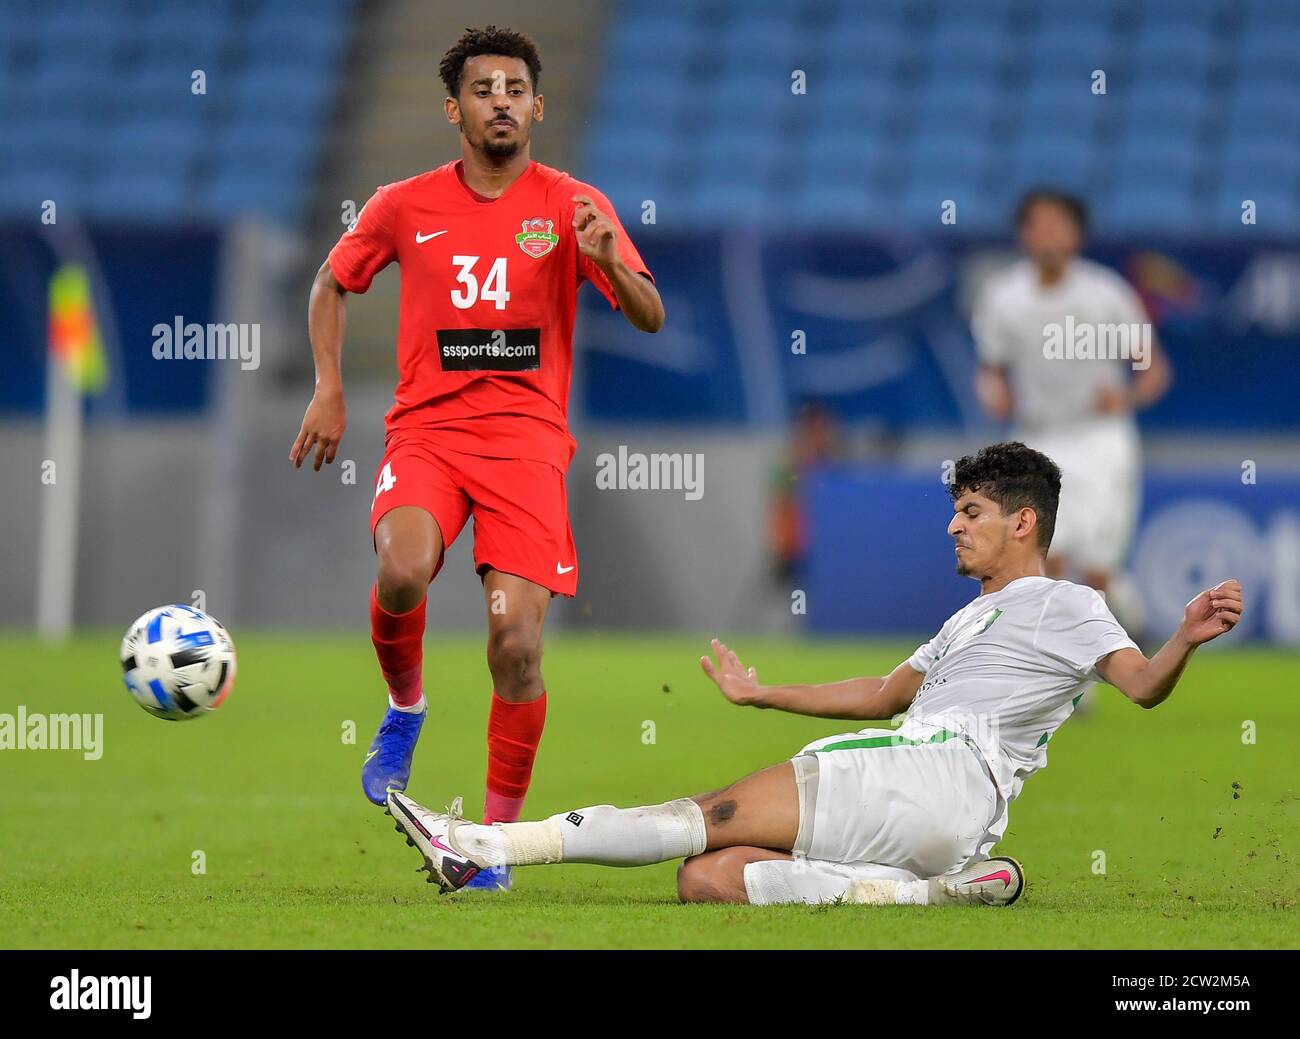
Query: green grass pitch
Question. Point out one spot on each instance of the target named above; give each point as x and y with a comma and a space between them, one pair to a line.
1198, 829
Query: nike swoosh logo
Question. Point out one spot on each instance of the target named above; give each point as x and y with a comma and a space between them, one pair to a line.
420, 239
438, 844
369, 756
1002, 875
563, 569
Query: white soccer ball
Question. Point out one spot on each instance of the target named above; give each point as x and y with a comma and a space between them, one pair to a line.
178, 662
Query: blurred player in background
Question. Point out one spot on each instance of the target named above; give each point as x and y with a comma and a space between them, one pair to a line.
492, 249
815, 440
1077, 411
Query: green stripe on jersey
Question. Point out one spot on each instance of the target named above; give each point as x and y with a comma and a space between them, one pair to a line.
870, 742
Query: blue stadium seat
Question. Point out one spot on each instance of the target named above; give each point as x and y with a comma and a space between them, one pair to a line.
22, 191
1176, 53
243, 192
639, 37
845, 205
730, 201
1162, 110
1063, 161
944, 105
1152, 209
287, 91
1058, 45
1173, 14
964, 40
152, 141
877, 46
761, 39
154, 195
937, 157
876, 17
1268, 163
738, 145
1265, 108
1136, 167
754, 95
627, 151
915, 102
658, 96
1270, 16
129, 152
1269, 56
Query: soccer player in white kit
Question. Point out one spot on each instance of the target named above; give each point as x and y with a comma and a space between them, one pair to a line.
882, 816
1047, 330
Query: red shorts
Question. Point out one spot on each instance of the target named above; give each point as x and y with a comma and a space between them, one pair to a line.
520, 510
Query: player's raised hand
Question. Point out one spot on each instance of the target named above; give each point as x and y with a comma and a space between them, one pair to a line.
738, 683
597, 236
1213, 612
322, 429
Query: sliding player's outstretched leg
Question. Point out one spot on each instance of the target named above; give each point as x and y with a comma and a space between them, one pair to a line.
797, 832
761, 809
409, 546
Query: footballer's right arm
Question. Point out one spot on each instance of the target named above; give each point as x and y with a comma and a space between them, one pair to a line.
993, 341
864, 699
326, 417
993, 391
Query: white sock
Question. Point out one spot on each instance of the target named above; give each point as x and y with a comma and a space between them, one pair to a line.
889, 893
601, 834
415, 708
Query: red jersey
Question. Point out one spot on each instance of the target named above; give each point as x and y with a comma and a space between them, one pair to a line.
489, 291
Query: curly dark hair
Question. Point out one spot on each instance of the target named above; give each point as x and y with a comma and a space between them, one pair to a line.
490, 40
1016, 477
1072, 204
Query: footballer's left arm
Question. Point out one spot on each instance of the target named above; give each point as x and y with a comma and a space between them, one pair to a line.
1149, 682
598, 241
637, 296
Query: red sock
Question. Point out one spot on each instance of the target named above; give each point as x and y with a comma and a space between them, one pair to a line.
514, 731
399, 644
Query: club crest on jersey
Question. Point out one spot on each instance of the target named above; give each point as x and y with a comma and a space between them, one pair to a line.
982, 624
538, 237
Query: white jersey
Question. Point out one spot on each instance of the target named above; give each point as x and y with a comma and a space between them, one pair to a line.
1008, 669
1011, 322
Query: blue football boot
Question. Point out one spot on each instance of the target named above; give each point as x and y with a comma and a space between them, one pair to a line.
388, 762
490, 878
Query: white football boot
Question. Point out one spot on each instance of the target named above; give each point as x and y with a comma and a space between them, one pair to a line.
434, 834
993, 882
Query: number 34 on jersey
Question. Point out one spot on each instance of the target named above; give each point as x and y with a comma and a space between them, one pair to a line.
469, 291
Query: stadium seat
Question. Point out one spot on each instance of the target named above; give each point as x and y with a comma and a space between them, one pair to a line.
129, 151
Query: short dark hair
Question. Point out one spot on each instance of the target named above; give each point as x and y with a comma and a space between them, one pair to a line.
489, 40
1016, 477
1072, 204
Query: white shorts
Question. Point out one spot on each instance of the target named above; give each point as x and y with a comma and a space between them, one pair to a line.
874, 805
1100, 491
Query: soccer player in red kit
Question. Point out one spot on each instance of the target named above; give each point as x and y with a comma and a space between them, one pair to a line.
492, 250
